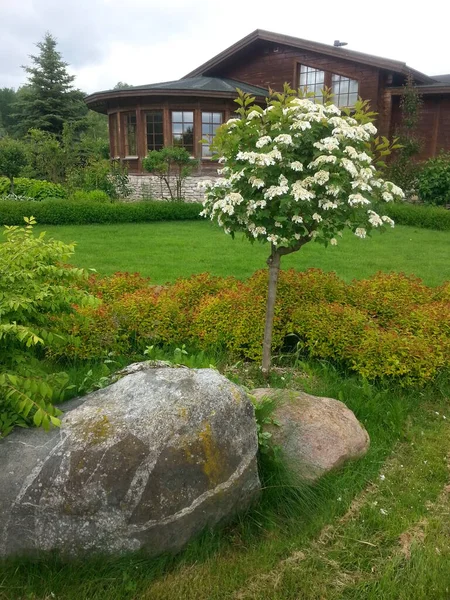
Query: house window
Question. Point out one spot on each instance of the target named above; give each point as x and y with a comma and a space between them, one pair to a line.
130, 134
313, 80
155, 135
345, 90
211, 121
183, 129
114, 129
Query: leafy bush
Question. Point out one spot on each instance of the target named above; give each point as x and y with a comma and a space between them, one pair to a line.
33, 188
92, 196
330, 331
34, 287
56, 212
389, 326
169, 164
16, 198
101, 174
12, 159
434, 180
418, 215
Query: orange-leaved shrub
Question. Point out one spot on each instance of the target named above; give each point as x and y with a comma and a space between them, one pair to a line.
390, 326
234, 320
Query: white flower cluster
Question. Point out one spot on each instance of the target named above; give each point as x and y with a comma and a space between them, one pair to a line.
263, 141
277, 190
300, 192
307, 175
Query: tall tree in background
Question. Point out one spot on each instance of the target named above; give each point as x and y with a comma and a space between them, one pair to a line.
121, 85
7, 100
49, 99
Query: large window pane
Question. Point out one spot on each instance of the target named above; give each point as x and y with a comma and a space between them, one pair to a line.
211, 121
130, 125
345, 90
155, 137
183, 129
312, 81
113, 126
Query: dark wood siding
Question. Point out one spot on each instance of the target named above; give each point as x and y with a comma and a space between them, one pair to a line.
271, 65
434, 124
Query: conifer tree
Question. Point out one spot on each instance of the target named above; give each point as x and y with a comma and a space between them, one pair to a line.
49, 99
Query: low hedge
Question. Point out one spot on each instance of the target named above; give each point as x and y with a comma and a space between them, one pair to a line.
419, 215
57, 212
33, 188
387, 327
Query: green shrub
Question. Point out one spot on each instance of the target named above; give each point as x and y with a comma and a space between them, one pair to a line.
34, 288
389, 326
56, 212
13, 159
33, 188
387, 297
417, 215
434, 180
330, 331
171, 165
101, 174
92, 196
397, 355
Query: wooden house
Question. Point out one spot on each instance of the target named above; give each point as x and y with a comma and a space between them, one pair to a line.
188, 112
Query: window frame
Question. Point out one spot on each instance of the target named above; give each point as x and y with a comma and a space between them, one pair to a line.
299, 74
126, 145
343, 94
328, 77
207, 136
113, 124
191, 147
147, 112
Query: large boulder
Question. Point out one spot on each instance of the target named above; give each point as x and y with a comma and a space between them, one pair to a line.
147, 462
314, 434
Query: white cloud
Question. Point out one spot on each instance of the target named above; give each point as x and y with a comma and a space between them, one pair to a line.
146, 41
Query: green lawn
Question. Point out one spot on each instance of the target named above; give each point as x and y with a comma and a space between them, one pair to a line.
376, 530
165, 251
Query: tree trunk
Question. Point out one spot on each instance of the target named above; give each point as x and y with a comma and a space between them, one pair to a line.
274, 268
11, 189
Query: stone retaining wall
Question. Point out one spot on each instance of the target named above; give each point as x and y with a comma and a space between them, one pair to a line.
149, 187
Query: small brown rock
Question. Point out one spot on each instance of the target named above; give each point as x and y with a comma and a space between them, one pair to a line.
315, 434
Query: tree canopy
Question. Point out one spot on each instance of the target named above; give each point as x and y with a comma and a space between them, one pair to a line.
298, 171
49, 99
7, 100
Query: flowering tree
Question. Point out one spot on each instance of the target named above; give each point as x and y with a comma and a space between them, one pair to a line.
297, 171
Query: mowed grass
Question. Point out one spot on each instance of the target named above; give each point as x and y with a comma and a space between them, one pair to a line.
165, 251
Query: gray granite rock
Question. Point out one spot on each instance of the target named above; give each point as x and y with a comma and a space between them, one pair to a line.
315, 434
147, 462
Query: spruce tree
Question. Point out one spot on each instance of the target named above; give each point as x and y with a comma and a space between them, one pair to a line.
49, 99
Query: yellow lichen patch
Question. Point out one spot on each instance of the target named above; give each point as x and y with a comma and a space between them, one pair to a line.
213, 462
237, 396
97, 430
183, 412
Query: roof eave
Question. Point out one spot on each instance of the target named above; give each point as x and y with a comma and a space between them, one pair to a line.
269, 36
99, 98
422, 89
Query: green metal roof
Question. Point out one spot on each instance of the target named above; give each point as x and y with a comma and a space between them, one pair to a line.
201, 83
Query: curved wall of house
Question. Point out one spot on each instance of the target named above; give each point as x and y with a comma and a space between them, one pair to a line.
138, 125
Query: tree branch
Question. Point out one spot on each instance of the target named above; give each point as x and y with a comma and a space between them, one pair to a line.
295, 248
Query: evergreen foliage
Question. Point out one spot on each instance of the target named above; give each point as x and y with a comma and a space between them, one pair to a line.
7, 100
49, 99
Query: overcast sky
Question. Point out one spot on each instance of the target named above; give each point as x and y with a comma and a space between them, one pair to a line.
148, 41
